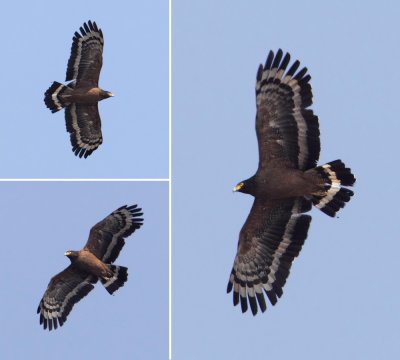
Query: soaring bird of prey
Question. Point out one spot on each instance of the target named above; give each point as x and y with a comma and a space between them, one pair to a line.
92, 263
285, 186
81, 95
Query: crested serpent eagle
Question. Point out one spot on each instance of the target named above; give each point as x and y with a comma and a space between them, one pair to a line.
92, 263
81, 95
286, 185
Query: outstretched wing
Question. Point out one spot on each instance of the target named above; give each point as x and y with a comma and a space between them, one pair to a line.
270, 239
106, 238
86, 56
287, 131
84, 124
63, 292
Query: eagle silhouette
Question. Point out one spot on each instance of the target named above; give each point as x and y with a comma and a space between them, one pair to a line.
285, 186
94, 262
81, 95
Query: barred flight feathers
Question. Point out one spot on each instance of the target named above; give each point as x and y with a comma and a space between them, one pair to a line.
285, 185
84, 125
284, 124
63, 292
106, 238
271, 238
86, 57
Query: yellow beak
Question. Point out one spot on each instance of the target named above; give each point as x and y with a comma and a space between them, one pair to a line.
238, 187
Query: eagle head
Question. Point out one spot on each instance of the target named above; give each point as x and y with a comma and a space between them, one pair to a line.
105, 94
72, 255
246, 186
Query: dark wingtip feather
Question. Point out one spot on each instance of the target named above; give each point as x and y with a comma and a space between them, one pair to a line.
243, 303
253, 305
83, 32
278, 291
277, 60
293, 68
268, 62
305, 80
259, 73
285, 62
301, 73
235, 298
261, 301
133, 208
272, 297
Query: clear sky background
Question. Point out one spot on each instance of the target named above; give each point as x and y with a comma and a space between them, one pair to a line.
36, 44
42, 220
341, 300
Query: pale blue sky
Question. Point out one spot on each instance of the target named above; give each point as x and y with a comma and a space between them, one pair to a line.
36, 44
41, 221
341, 299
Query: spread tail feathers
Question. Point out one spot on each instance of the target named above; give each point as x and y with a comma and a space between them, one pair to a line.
52, 97
113, 283
335, 175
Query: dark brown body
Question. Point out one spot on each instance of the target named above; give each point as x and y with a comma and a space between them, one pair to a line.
270, 184
84, 95
84, 260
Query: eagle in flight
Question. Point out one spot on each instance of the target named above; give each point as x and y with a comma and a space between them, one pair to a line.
94, 262
81, 95
285, 186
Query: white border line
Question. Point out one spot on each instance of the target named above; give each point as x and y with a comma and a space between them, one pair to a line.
170, 177
84, 180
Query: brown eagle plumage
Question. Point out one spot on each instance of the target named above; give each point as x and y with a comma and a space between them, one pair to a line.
92, 263
81, 95
286, 185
